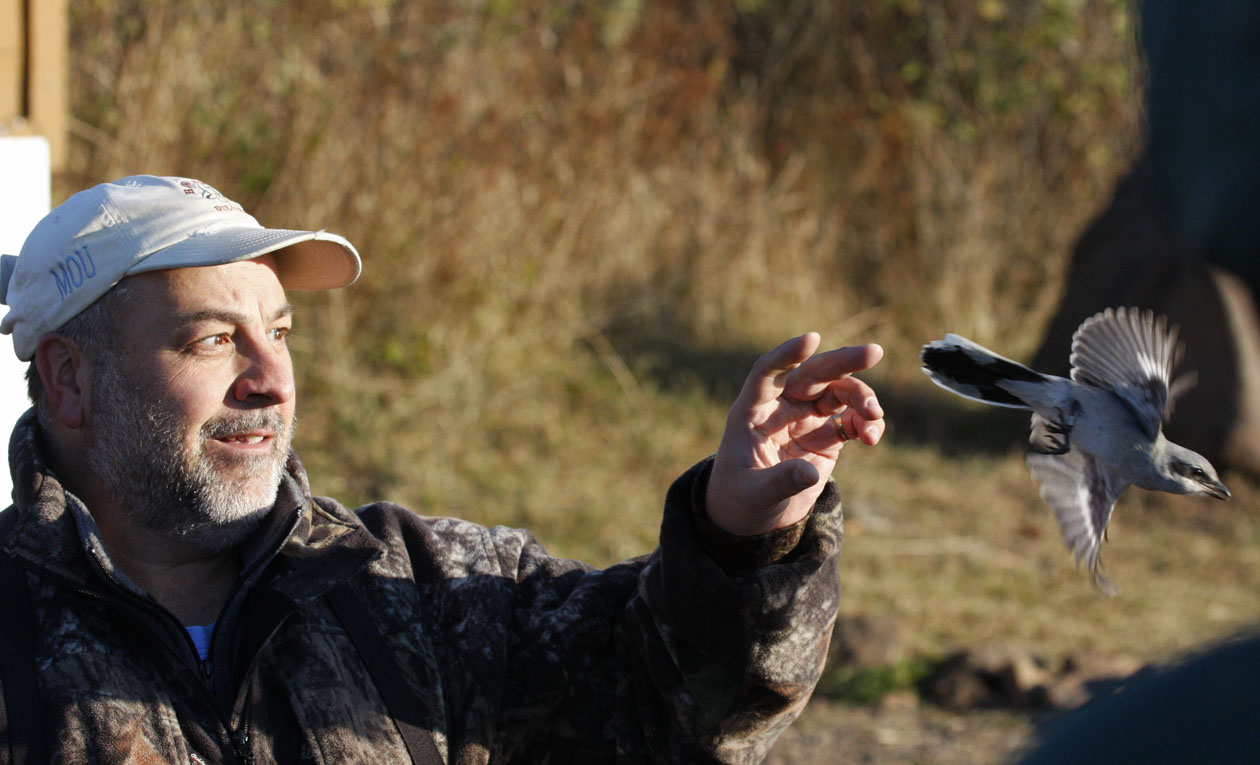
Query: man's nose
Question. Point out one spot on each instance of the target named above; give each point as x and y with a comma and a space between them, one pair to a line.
266, 376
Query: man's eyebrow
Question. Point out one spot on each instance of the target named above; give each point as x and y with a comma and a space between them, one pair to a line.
229, 317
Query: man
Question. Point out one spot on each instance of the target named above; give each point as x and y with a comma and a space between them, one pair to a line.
191, 602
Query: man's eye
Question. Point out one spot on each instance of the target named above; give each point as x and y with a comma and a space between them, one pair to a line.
280, 333
214, 341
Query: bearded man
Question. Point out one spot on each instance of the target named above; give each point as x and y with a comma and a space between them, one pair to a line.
173, 592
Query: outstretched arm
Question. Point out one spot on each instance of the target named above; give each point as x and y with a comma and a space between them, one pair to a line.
785, 431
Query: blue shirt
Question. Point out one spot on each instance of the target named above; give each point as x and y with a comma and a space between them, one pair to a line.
200, 635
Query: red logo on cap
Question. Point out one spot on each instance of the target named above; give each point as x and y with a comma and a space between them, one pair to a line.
197, 188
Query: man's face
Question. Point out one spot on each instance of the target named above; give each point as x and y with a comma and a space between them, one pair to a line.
190, 426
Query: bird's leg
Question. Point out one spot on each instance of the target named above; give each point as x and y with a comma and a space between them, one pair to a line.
1051, 436
1058, 435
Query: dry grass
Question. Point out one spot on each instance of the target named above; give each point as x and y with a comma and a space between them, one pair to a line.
577, 220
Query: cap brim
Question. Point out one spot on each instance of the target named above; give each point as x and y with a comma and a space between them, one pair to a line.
305, 260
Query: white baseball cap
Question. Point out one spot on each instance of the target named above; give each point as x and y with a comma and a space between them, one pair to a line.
101, 235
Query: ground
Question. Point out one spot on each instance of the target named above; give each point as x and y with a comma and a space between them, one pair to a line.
899, 731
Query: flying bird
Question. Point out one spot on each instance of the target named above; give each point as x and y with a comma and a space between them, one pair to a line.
1094, 434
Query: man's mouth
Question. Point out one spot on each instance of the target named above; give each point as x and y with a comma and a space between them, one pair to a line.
252, 434
253, 438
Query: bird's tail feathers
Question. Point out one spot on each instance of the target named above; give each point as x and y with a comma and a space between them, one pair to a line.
973, 371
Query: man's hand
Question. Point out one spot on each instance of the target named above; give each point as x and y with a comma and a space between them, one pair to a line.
785, 431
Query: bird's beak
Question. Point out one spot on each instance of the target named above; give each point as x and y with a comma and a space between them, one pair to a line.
1217, 491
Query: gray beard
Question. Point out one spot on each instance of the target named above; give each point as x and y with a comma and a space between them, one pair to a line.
136, 450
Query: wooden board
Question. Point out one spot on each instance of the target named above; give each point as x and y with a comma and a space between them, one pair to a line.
12, 60
34, 100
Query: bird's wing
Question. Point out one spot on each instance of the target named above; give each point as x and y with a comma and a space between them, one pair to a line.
1131, 353
1081, 491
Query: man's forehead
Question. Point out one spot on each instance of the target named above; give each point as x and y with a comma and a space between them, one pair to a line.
246, 287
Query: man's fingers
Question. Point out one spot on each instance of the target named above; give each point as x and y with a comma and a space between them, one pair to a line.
848, 396
853, 427
812, 378
792, 368
850, 393
769, 375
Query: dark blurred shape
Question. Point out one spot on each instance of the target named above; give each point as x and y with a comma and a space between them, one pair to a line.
1204, 710
1181, 234
1203, 107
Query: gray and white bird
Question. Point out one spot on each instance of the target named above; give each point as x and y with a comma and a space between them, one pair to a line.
1094, 434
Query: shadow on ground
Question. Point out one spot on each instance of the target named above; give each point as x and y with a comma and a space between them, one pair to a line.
925, 415
673, 362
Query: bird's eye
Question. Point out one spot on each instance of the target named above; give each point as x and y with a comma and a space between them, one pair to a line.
1193, 472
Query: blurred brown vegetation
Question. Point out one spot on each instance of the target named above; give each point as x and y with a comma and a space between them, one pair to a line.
579, 220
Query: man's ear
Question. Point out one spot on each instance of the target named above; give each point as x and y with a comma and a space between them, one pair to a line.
65, 372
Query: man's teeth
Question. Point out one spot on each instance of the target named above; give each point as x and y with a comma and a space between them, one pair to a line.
245, 439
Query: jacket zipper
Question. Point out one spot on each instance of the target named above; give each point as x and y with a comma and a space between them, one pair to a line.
240, 743
240, 736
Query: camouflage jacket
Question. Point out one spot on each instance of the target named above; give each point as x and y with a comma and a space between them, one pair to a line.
702, 651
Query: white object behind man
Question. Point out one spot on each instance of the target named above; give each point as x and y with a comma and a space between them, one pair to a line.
25, 196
